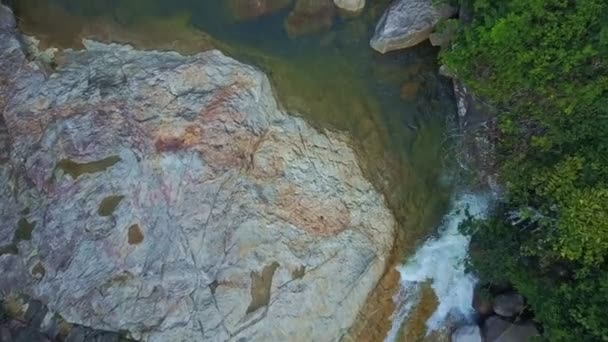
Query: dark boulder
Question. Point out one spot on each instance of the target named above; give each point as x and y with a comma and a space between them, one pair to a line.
482, 302
508, 304
496, 329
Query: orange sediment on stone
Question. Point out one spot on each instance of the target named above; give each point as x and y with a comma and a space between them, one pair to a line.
135, 235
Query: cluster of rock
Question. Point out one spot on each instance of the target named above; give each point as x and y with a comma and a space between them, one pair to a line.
305, 17
404, 24
170, 198
409, 22
500, 320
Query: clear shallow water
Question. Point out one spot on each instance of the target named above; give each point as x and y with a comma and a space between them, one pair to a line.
394, 106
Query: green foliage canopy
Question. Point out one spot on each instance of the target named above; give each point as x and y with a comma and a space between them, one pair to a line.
544, 65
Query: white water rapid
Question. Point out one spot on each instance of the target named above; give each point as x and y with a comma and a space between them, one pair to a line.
441, 261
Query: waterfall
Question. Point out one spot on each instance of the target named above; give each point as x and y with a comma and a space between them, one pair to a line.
441, 261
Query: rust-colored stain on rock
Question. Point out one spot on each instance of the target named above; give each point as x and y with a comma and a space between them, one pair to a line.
135, 235
316, 216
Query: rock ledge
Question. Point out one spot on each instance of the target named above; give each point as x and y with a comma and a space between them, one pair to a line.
169, 196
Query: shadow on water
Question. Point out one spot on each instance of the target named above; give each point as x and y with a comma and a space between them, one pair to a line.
394, 105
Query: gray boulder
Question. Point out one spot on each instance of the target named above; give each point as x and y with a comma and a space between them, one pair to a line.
509, 304
467, 333
496, 329
170, 197
406, 23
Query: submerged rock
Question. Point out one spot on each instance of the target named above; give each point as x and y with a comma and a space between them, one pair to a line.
173, 199
251, 9
409, 90
408, 22
309, 17
350, 5
496, 329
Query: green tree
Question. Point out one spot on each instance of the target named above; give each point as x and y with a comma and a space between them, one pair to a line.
544, 65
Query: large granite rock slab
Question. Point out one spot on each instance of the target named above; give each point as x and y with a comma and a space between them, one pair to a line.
407, 23
170, 197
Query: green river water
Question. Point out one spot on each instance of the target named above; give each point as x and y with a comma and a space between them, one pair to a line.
395, 106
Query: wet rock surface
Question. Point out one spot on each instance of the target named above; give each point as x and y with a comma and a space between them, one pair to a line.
478, 124
169, 197
482, 302
407, 23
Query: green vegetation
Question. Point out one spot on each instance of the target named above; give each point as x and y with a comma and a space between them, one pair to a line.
544, 65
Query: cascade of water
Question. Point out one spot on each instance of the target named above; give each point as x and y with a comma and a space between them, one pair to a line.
441, 261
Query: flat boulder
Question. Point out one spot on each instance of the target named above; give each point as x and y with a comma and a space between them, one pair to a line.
310, 17
169, 197
407, 23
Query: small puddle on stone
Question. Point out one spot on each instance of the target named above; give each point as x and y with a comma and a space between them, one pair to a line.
38, 271
109, 204
135, 235
76, 170
213, 286
24, 230
299, 272
260, 287
9, 249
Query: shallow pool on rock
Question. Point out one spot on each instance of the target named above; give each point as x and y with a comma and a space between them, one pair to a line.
395, 106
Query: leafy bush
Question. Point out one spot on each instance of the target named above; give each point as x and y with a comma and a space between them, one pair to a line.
544, 65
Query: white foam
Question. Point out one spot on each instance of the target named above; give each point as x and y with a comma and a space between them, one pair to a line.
441, 260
